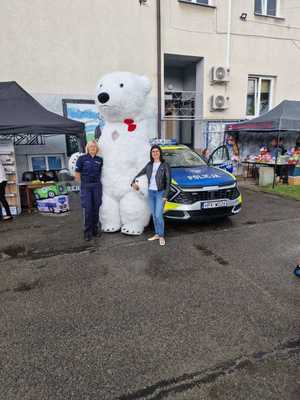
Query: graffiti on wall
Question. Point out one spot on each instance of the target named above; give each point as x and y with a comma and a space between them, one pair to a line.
84, 111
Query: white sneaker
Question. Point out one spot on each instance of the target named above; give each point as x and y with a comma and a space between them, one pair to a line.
155, 237
162, 241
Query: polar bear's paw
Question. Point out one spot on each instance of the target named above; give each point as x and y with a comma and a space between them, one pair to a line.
132, 230
110, 228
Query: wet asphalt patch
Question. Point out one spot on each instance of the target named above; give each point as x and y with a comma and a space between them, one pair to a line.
13, 251
27, 286
24, 286
185, 382
207, 252
19, 251
162, 268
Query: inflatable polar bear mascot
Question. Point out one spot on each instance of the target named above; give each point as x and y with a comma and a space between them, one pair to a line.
123, 100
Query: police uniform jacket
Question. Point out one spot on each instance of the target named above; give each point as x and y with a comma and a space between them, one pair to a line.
89, 168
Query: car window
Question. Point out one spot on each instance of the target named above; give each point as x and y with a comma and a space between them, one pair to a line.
220, 155
183, 158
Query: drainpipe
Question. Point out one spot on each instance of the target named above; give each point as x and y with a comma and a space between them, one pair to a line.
159, 65
228, 35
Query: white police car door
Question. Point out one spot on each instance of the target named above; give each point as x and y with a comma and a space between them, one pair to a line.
220, 158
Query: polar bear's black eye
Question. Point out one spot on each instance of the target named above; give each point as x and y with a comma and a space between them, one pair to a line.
100, 86
121, 84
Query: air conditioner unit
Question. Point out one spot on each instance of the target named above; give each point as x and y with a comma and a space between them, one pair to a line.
219, 102
219, 74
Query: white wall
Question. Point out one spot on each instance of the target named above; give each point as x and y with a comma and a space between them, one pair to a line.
60, 47
64, 46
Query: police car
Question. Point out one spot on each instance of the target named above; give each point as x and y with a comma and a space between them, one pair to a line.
198, 187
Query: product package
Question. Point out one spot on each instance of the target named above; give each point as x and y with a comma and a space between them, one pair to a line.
54, 205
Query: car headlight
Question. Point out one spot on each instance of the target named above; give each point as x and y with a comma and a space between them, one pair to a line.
174, 191
234, 192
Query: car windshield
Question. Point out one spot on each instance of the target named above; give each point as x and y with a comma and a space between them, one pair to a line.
182, 158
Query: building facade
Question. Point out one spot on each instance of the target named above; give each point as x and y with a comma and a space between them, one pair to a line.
241, 55
209, 61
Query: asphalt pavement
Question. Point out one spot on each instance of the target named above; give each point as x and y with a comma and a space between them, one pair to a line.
213, 315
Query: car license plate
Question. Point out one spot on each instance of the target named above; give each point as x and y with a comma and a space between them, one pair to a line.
214, 204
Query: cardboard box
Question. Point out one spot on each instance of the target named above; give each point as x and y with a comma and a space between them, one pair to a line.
294, 180
266, 176
54, 205
13, 210
296, 171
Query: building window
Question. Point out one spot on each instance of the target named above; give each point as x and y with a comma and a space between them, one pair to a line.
54, 162
38, 163
200, 1
204, 2
46, 163
267, 7
259, 95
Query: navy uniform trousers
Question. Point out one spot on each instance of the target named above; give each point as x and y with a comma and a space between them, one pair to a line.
91, 199
90, 169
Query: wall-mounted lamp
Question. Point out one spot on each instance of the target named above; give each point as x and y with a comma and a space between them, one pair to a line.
143, 2
243, 16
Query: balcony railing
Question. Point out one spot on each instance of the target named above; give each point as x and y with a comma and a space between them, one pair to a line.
182, 105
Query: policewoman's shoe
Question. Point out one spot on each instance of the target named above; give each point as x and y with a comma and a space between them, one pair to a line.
87, 237
297, 271
97, 233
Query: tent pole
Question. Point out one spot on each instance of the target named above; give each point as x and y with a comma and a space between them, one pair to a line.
275, 167
82, 143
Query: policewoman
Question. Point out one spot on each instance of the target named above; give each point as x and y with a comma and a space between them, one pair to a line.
88, 170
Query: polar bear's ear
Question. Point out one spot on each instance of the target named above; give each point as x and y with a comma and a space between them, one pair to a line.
146, 84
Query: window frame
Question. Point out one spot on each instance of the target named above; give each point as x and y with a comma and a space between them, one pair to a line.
211, 3
258, 80
31, 156
264, 12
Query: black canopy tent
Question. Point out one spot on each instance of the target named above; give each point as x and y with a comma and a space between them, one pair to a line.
21, 115
282, 120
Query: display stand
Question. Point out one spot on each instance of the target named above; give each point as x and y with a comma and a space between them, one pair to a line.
8, 158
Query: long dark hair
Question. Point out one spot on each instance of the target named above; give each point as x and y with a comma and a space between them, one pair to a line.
161, 159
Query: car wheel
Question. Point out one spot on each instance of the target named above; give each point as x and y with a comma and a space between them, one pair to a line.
297, 271
51, 194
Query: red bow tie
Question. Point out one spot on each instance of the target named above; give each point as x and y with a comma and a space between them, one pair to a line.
131, 124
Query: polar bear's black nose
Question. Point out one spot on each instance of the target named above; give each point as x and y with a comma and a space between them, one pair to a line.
103, 97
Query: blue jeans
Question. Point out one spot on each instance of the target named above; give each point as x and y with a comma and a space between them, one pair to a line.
157, 207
